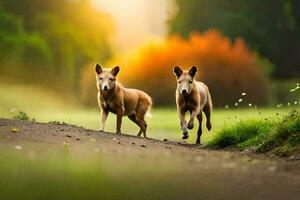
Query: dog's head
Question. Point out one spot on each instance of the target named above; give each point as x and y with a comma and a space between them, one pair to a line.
185, 79
106, 78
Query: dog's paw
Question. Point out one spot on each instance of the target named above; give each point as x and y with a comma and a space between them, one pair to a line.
198, 141
185, 136
208, 126
190, 125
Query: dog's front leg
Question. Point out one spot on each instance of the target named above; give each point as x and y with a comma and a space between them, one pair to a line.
183, 124
103, 121
120, 113
194, 113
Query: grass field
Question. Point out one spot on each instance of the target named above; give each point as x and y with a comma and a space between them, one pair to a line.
45, 106
101, 170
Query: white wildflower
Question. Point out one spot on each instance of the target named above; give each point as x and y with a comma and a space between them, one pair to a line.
18, 147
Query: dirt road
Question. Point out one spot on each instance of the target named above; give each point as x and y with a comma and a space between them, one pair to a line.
199, 172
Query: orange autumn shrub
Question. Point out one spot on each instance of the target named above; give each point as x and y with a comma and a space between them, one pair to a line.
228, 68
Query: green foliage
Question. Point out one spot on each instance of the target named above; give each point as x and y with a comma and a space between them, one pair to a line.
282, 92
264, 136
243, 135
21, 116
265, 65
10, 24
11, 31
49, 42
271, 29
285, 137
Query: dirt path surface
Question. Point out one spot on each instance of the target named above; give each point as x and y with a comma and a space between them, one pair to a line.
227, 175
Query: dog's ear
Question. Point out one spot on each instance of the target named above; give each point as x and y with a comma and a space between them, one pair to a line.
177, 71
115, 70
193, 71
98, 69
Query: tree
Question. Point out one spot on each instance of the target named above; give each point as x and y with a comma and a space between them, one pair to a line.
55, 38
19, 48
270, 28
228, 68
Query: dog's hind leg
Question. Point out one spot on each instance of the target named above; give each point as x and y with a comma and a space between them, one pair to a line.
141, 112
141, 119
133, 118
199, 132
207, 110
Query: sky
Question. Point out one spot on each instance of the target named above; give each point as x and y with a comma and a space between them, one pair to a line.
137, 21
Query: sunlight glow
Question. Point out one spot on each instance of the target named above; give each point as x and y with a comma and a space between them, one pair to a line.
137, 21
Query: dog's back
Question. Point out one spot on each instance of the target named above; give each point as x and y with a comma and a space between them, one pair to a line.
136, 101
205, 98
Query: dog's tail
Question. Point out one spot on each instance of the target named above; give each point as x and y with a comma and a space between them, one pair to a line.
149, 102
148, 113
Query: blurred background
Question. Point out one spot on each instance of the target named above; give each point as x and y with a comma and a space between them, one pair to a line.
48, 50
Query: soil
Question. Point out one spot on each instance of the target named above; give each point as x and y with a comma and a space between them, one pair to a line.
258, 176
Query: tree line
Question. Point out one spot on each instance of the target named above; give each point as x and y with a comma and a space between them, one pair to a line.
272, 28
50, 41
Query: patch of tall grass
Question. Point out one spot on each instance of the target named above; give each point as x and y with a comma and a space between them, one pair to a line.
279, 136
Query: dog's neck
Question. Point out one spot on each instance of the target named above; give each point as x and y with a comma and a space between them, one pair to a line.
107, 94
186, 98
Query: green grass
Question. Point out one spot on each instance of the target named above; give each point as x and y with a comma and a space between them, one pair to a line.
44, 106
80, 172
21, 116
285, 137
278, 136
242, 135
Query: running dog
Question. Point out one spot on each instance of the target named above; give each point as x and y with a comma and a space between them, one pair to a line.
194, 97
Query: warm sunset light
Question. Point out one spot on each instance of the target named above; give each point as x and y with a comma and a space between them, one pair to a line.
137, 21
213, 53
149, 99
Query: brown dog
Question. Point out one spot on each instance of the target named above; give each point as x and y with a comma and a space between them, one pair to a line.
192, 96
113, 97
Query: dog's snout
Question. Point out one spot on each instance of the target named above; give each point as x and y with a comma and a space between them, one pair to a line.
105, 88
184, 92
